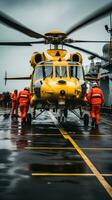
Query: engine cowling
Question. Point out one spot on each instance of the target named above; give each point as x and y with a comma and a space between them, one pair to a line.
36, 58
76, 57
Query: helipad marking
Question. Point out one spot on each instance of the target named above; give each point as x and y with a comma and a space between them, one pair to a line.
71, 133
88, 135
106, 122
98, 149
50, 148
66, 148
48, 134
101, 179
67, 174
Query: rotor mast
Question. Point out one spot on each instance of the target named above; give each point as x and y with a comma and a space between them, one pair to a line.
55, 37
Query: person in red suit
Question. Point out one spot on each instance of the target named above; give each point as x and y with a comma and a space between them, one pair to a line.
95, 98
24, 101
14, 100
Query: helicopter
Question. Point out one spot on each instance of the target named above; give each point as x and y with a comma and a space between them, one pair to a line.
58, 80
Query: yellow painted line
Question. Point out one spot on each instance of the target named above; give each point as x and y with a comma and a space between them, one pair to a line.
50, 148
66, 174
70, 133
98, 149
61, 174
67, 148
89, 135
101, 179
47, 134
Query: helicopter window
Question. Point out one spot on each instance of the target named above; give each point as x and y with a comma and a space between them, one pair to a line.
80, 74
48, 71
38, 73
61, 71
58, 71
43, 72
72, 71
64, 71
76, 71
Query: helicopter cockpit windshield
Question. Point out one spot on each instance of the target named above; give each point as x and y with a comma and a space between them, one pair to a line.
76, 71
50, 70
61, 71
43, 72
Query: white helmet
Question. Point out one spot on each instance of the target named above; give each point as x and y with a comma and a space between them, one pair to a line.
95, 84
27, 88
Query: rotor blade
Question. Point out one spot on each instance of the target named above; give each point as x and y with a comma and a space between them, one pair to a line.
19, 78
86, 51
7, 20
15, 44
100, 13
91, 41
89, 78
20, 43
16, 78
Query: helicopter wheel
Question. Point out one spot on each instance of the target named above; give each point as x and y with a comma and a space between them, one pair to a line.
29, 119
65, 113
54, 110
86, 120
81, 113
34, 113
63, 119
59, 119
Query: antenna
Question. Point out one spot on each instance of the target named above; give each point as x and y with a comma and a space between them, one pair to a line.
109, 30
110, 49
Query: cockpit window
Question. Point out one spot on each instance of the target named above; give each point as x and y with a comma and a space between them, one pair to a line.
61, 71
43, 72
80, 73
57, 68
48, 70
72, 71
76, 71
64, 71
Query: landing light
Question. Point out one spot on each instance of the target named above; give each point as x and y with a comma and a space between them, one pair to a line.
62, 92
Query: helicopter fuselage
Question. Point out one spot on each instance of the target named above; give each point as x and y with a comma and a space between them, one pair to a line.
58, 83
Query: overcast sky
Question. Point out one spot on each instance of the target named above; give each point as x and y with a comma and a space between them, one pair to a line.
43, 16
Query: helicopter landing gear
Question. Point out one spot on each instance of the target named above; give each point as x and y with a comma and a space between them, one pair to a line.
81, 113
86, 120
34, 113
29, 119
62, 115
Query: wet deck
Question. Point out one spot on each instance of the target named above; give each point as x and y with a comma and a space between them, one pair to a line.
55, 162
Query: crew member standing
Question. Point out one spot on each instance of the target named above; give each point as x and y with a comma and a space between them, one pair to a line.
95, 97
24, 100
14, 100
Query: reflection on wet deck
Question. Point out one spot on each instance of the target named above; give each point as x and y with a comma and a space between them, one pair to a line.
41, 150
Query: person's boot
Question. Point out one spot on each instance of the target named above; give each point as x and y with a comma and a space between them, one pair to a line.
93, 122
23, 123
96, 126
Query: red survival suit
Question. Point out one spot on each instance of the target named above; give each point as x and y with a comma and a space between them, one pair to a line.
14, 99
95, 98
24, 100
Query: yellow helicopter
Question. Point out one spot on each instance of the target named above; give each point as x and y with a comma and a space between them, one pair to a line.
58, 81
